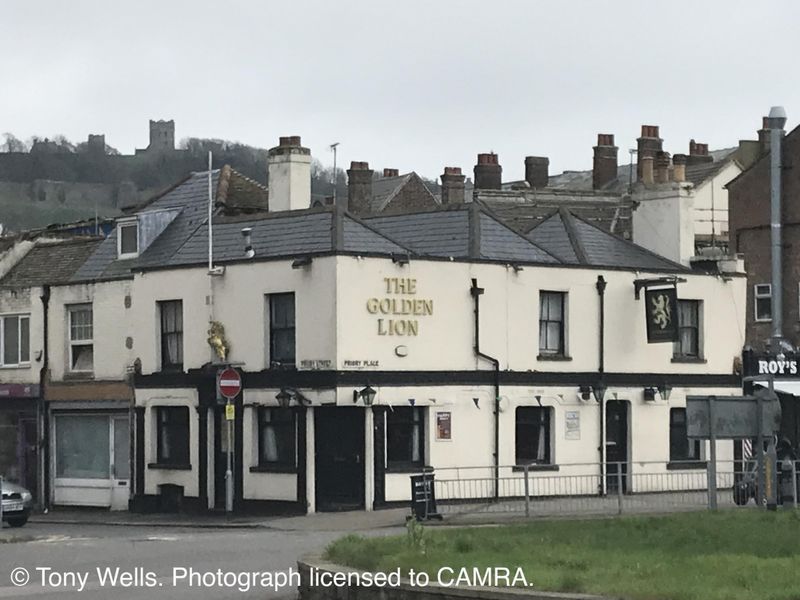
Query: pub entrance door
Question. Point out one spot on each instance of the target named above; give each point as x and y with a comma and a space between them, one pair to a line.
616, 445
339, 462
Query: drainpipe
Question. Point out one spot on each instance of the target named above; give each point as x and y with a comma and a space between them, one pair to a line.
44, 421
775, 121
601, 292
477, 292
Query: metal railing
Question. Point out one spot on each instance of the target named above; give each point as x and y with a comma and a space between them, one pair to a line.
588, 489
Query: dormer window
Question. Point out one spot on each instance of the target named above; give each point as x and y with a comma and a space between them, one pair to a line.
128, 239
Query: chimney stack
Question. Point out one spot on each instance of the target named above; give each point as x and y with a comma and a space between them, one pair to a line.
452, 186
679, 168
698, 154
604, 167
289, 168
488, 172
646, 163
662, 163
359, 188
537, 171
647, 145
391, 173
763, 135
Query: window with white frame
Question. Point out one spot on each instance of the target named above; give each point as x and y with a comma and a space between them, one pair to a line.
281, 330
405, 437
690, 343
81, 334
551, 323
128, 239
762, 294
532, 443
681, 448
277, 438
15, 346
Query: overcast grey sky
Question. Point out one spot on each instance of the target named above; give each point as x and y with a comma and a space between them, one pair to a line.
407, 84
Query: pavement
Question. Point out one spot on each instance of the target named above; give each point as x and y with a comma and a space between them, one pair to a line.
332, 521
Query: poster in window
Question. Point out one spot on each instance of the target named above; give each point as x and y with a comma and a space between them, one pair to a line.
661, 309
572, 425
443, 426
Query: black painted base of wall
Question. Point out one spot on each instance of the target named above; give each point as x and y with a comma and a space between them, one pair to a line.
154, 503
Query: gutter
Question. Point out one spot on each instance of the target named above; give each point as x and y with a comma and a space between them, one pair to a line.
476, 293
601, 292
44, 437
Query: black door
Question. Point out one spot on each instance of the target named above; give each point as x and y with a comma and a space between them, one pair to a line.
339, 465
28, 455
616, 445
221, 447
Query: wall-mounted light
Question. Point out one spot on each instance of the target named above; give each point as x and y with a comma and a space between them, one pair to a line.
585, 391
287, 394
400, 259
599, 391
301, 262
664, 391
367, 395
649, 394
284, 398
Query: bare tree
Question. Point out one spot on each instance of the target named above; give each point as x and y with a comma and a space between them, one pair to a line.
13, 144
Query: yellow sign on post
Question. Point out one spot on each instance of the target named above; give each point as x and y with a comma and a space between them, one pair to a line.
230, 412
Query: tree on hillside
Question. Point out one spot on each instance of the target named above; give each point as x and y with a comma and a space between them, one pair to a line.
12, 143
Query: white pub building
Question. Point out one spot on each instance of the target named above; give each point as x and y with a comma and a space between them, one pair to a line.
373, 348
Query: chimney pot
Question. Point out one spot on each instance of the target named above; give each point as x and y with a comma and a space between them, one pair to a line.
391, 172
488, 172
679, 168
537, 171
604, 166
291, 140
359, 188
289, 169
646, 163
452, 186
648, 144
698, 154
662, 163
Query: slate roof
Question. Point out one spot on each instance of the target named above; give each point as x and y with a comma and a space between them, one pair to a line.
385, 189
285, 234
50, 263
439, 233
460, 231
470, 231
576, 241
525, 210
190, 196
699, 174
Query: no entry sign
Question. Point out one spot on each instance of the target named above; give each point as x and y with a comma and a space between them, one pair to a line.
229, 383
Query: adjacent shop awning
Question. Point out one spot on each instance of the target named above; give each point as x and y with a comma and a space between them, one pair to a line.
785, 387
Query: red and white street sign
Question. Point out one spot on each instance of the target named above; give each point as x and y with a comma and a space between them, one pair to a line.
229, 383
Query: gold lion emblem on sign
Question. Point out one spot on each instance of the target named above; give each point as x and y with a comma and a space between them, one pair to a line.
661, 311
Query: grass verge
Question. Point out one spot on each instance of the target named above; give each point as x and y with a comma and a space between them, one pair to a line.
728, 555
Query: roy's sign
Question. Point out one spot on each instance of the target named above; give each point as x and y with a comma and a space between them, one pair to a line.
777, 367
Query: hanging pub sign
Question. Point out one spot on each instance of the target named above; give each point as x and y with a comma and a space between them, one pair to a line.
661, 309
